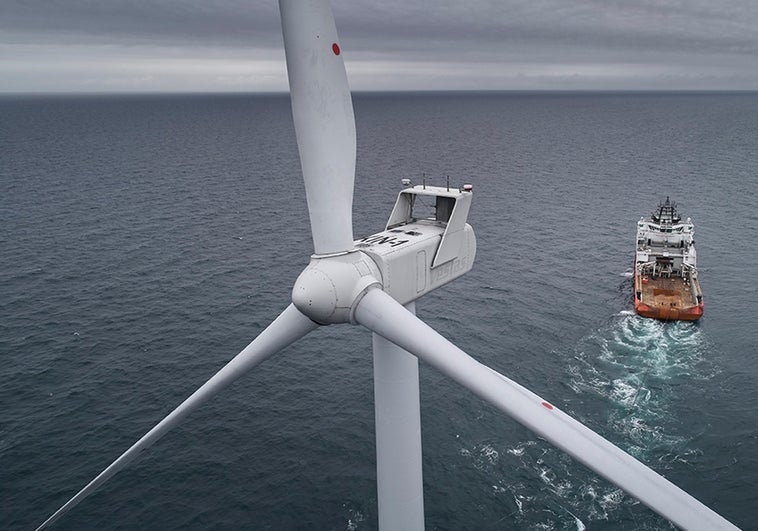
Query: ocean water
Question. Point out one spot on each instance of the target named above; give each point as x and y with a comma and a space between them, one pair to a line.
145, 240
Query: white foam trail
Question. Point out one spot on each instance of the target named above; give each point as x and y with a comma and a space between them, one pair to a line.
628, 364
632, 364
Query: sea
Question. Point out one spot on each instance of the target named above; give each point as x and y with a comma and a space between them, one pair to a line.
146, 239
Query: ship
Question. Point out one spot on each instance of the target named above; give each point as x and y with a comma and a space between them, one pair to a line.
666, 284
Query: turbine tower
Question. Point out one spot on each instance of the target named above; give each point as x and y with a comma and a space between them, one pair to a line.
374, 282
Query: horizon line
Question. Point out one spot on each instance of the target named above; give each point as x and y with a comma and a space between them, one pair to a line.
383, 92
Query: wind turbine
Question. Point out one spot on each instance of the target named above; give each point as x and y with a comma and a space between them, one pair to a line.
374, 282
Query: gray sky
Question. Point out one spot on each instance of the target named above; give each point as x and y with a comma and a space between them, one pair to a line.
235, 45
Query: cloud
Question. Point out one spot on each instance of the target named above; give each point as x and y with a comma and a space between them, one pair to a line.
169, 22
149, 45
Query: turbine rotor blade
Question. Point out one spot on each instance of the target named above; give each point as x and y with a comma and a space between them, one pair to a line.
290, 326
324, 123
381, 314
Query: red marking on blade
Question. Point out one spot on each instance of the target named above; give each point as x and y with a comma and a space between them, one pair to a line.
547, 406
336, 48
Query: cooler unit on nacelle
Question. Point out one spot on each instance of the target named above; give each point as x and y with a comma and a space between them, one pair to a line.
426, 233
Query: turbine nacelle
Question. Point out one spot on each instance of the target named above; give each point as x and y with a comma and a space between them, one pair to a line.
426, 243
418, 251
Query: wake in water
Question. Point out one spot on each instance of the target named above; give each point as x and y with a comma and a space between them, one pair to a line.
635, 365
540, 484
633, 368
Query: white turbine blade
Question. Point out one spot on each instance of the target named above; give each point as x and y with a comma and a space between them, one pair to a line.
290, 326
383, 315
324, 122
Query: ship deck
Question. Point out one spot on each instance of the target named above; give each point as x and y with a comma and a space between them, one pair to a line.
666, 298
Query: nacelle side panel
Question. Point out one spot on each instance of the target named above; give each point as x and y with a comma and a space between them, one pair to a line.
404, 256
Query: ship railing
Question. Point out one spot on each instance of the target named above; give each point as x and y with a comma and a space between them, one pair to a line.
654, 269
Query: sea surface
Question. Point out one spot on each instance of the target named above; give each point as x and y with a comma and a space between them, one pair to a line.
145, 240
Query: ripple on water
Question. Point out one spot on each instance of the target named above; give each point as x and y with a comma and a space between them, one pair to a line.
636, 366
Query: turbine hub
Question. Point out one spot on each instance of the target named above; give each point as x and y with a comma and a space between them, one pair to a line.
329, 288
